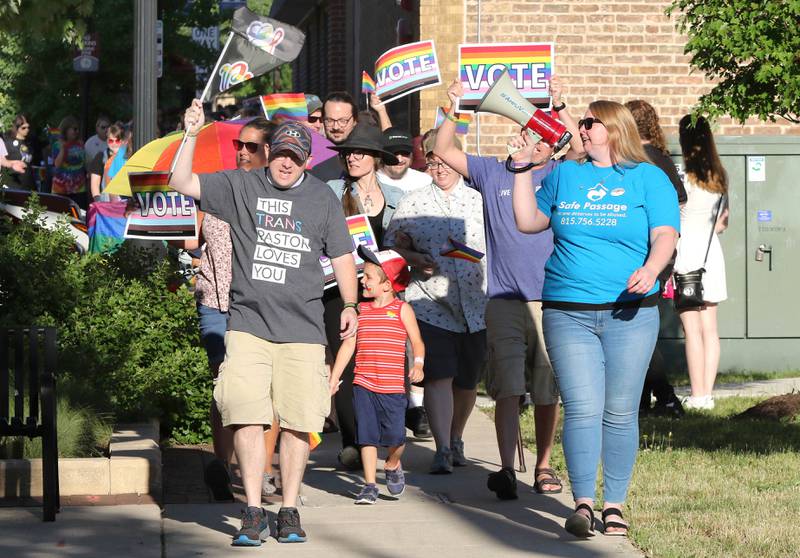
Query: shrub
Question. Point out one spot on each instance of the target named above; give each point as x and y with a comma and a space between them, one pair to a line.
128, 346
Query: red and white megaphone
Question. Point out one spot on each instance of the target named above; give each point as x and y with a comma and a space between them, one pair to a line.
504, 99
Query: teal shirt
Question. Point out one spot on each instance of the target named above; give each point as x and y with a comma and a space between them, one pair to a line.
601, 219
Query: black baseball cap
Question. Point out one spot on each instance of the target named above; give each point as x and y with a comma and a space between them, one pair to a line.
397, 140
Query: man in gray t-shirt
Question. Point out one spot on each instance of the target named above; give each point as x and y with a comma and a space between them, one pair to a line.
282, 221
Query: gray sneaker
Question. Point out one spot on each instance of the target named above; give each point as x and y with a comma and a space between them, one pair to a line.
268, 487
368, 495
442, 462
395, 481
457, 446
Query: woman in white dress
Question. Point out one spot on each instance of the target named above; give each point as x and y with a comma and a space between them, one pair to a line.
706, 186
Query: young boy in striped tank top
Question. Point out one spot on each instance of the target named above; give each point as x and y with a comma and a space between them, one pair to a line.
379, 392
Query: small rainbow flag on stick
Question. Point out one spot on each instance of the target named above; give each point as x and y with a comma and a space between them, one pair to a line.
367, 83
287, 105
314, 439
456, 249
463, 120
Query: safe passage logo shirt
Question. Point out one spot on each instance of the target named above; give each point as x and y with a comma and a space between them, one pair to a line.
601, 219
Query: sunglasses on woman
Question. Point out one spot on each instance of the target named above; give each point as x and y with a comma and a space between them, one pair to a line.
314, 119
114, 141
251, 146
588, 122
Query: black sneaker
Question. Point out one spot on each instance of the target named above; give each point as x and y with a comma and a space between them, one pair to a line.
289, 530
417, 422
254, 528
218, 480
503, 483
672, 407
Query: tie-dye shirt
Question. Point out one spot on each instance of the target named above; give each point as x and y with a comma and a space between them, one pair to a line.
70, 177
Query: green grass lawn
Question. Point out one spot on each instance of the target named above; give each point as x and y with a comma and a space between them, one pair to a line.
709, 486
736, 376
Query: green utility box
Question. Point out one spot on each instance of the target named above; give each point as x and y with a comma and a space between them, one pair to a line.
759, 324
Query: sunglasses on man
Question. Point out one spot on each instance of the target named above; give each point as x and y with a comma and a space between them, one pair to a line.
588, 122
251, 146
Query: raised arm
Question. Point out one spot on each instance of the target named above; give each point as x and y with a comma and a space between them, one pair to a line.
445, 146
377, 105
523, 198
182, 179
575, 144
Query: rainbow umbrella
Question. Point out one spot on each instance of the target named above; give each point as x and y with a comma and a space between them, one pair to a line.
213, 152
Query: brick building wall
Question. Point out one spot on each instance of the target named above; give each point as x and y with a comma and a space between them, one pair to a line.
619, 50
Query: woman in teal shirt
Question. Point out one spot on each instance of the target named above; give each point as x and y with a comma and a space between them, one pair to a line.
615, 222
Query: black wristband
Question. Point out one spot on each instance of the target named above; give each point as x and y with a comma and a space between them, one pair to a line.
559, 108
353, 305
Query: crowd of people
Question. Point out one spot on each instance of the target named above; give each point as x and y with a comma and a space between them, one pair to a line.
579, 247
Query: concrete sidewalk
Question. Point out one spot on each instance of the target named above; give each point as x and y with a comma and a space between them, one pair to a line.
438, 516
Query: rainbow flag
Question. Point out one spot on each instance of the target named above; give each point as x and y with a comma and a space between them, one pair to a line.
287, 105
361, 233
461, 251
406, 69
163, 213
463, 120
106, 226
367, 83
530, 66
314, 439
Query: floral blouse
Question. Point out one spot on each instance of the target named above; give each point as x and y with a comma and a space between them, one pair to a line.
214, 278
454, 297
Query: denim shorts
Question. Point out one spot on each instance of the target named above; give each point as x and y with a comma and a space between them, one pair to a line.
213, 325
380, 418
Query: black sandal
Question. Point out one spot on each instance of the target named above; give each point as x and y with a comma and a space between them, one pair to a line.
614, 524
580, 525
550, 478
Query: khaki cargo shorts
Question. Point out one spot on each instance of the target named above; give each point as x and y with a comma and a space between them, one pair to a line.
259, 377
517, 353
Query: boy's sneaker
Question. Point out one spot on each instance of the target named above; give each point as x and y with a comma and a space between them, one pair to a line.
254, 528
368, 495
442, 462
218, 480
458, 457
503, 483
395, 481
289, 530
268, 487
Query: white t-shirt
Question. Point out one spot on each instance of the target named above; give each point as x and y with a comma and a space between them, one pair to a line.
412, 180
3, 150
92, 147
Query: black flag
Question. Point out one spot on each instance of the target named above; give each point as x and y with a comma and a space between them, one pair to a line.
256, 45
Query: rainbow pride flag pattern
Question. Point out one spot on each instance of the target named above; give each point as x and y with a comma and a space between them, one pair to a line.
162, 213
367, 83
314, 439
461, 251
287, 105
405, 69
361, 231
530, 66
463, 120
106, 226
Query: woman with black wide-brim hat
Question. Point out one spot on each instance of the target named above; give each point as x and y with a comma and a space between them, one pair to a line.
361, 193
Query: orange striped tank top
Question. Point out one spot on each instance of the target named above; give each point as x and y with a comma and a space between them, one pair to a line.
381, 348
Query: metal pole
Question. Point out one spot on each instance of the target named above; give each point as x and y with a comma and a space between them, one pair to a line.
145, 91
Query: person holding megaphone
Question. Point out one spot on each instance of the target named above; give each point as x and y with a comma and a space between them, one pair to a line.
615, 223
513, 313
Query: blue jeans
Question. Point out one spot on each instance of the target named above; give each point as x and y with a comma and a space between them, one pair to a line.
600, 359
213, 325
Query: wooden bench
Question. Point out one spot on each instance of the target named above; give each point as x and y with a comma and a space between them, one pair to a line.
28, 366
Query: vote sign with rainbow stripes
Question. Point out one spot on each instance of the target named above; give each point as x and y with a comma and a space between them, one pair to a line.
530, 66
405, 69
161, 213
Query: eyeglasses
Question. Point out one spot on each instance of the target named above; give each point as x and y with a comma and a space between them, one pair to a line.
340, 122
314, 119
402, 154
251, 146
114, 141
23, 127
588, 122
435, 165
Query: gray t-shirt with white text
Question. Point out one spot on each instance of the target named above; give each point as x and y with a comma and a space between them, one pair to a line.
278, 236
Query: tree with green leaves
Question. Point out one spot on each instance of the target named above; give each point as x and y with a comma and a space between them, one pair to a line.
751, 51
